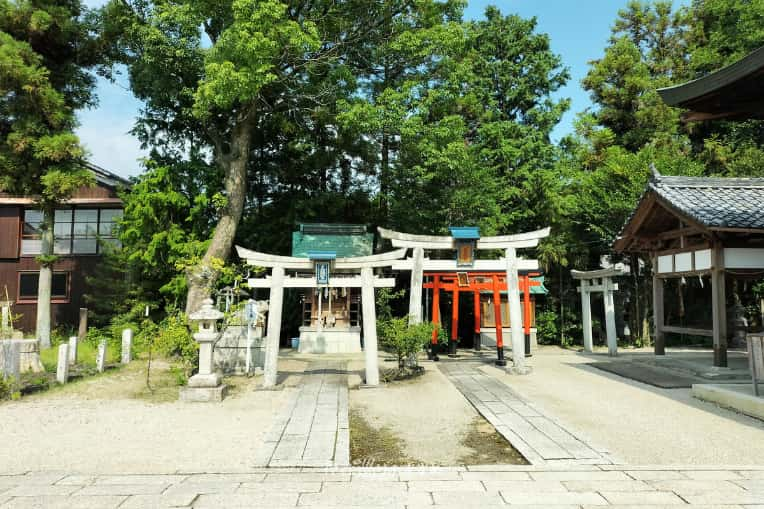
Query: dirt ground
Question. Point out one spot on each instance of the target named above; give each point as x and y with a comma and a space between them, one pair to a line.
422, 421
114, 424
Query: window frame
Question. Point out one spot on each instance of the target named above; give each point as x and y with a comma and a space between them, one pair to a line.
100, 239
54, 299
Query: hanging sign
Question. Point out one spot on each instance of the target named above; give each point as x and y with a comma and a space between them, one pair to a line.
322, 273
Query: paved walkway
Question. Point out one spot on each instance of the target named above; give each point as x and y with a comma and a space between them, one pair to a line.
313, 429
538, 437
478, 486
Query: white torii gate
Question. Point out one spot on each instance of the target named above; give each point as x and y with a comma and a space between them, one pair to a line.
277, 281
598, 281
509, 243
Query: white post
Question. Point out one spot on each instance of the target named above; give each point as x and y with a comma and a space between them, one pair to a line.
62, 371
612, 339
369, 326
73, 350
274, 328
515, 314
127, 346
101, 356
415, 299
586, 314
5, 324
319, 324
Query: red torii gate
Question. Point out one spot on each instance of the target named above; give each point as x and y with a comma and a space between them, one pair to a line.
496, 282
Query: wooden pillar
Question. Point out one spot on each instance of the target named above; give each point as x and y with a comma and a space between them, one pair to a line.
497, 319
586, 315
454, 320
435, 316
476, 340
527, 313
719, 306
415, 299
515, 315
83, 328
270, 368
612, 337
658, 317
369, 326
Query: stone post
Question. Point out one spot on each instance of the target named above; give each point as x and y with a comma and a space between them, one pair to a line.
612, 337
127, 346
369, 326
515, 314
205, 385
270, 368
415, 299
586, 314
11, 359
5, 324
62, 371
73, 344
101, 356
83, 329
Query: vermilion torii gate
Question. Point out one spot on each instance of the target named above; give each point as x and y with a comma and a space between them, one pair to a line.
477, 282
465, 241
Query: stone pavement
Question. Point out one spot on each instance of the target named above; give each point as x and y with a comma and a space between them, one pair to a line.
536, 436
313, 430
580, 487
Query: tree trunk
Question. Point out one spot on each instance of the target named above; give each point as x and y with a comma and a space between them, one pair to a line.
45, 281
201, 279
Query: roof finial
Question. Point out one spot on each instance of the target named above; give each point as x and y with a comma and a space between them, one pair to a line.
655, 174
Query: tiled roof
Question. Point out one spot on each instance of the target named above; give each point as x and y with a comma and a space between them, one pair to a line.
715, 202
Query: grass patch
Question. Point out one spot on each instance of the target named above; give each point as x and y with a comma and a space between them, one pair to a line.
86, 356
489, 447
370, 446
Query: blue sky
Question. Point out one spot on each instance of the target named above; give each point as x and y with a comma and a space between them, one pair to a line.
578, 29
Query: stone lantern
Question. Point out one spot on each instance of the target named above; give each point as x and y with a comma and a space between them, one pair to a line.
206, 384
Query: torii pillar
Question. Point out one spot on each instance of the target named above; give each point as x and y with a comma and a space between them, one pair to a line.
598, 281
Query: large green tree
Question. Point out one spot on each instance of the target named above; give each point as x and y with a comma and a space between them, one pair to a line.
46, 51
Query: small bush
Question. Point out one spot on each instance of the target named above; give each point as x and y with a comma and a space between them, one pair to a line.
174, 340
8, 389
404, 339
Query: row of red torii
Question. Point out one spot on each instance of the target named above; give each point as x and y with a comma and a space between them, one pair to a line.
497, 275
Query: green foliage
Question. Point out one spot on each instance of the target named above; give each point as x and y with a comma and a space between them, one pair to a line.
8, 389
404, 339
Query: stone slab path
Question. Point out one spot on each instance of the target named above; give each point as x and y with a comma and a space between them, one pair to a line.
579, 487
536, 436
313, 430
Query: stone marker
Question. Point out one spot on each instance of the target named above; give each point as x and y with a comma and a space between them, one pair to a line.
83, 330
5, 324
101, 356
73, 343
11, 359
127, 346
62, 372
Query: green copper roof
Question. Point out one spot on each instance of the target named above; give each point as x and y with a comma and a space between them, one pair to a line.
345, 240
465, 232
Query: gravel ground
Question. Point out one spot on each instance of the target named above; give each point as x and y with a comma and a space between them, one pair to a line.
639, 424
427, 413
103, 425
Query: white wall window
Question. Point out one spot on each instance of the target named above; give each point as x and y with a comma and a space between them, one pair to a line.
76, 230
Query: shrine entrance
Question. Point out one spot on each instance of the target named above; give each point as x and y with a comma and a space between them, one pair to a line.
484, 295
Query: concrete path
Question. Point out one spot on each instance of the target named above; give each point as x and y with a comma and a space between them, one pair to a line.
538, 437
479, 486
313, 429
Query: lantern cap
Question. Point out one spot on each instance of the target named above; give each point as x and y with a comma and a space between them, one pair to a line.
206, 312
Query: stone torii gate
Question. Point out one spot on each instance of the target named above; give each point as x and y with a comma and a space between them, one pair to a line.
598, 281
509, 243
278, 280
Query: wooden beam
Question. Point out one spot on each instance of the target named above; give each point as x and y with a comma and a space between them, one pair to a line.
658, 316
688, 330
719, 306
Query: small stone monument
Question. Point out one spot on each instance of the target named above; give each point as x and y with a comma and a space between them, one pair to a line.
206, 384
83, 328
73, 343
127, 346
11, 357
5, 324
62, 372
101, 356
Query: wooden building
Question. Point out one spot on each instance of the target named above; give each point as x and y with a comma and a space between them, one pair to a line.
698, 227
83, 226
